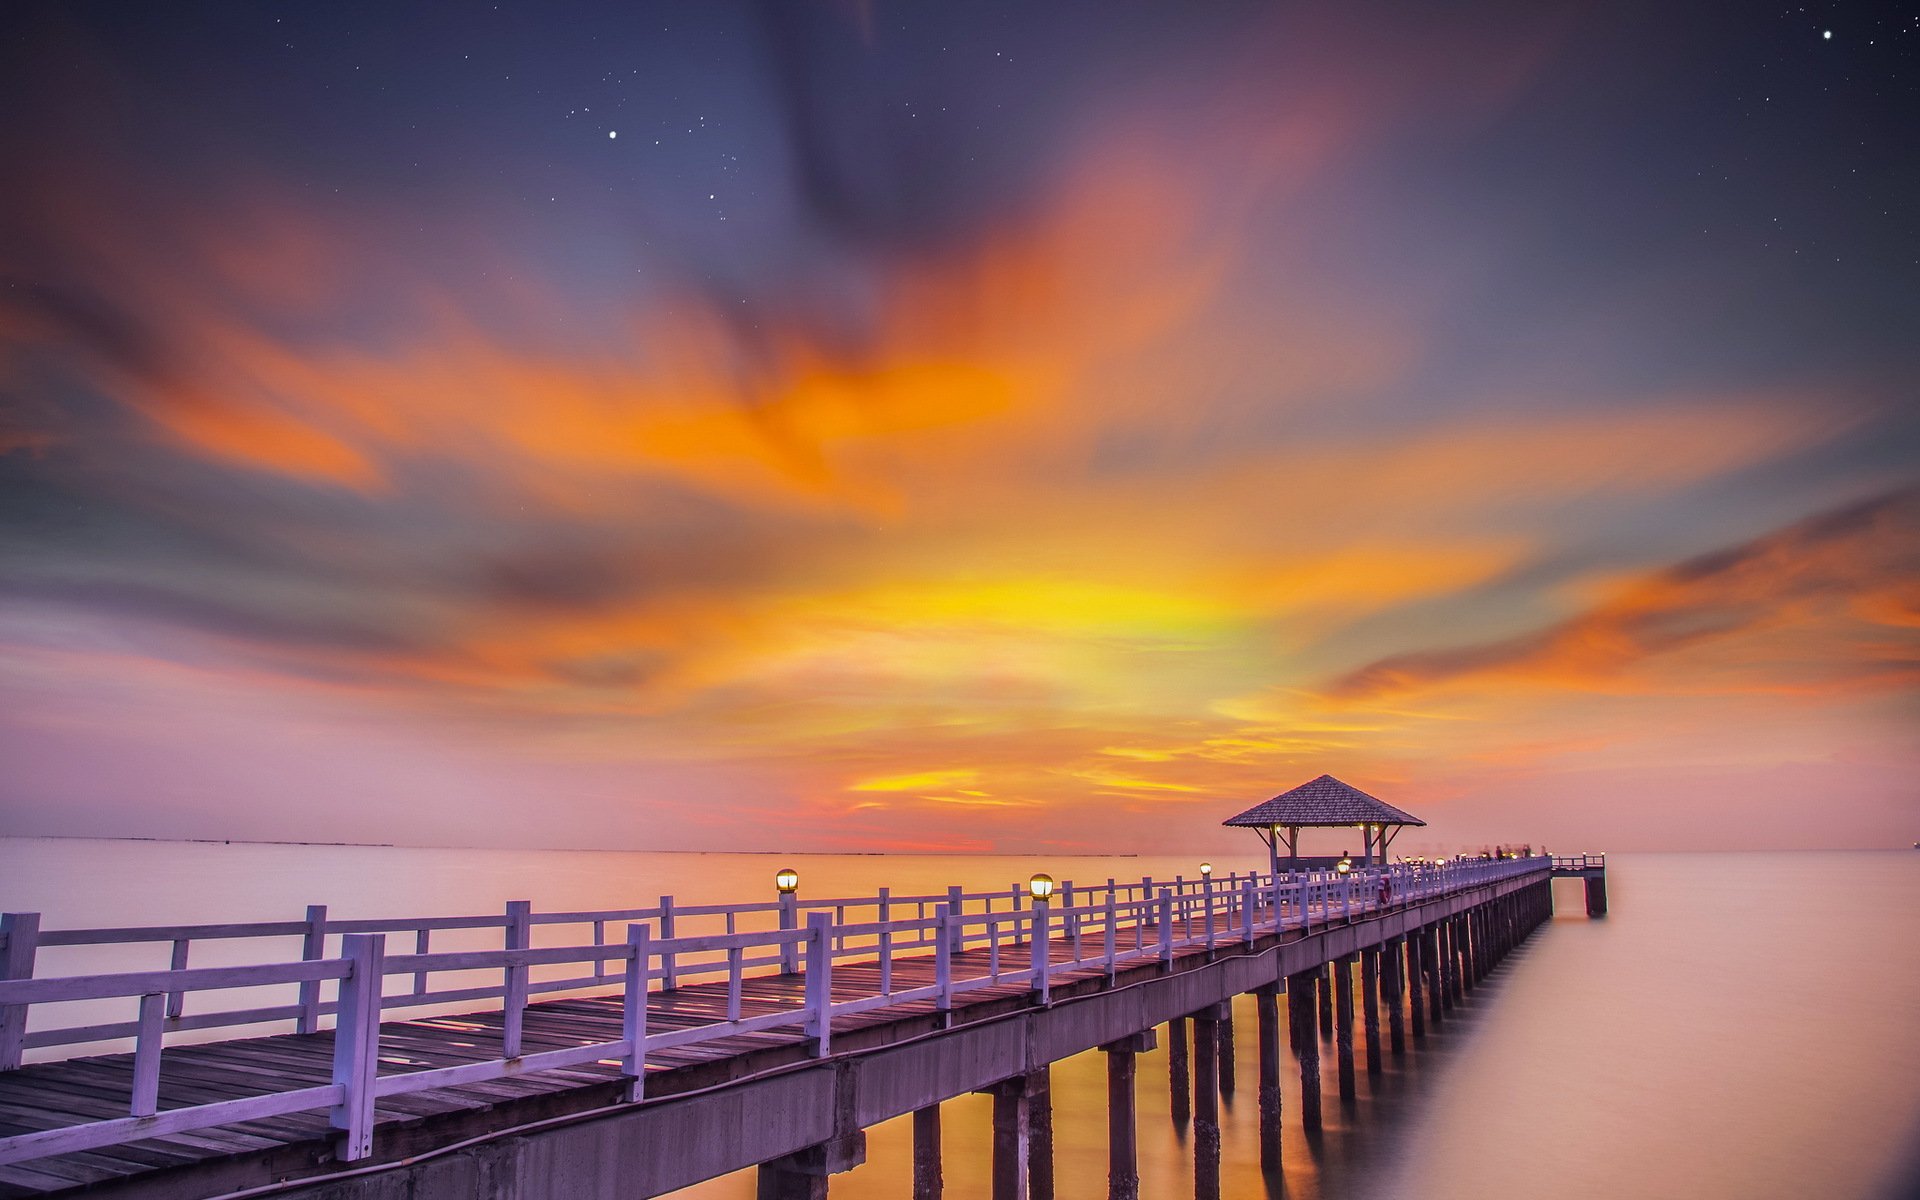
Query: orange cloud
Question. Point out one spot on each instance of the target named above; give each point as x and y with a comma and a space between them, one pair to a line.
1805, 608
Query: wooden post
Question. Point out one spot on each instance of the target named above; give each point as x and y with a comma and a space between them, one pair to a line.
1390, 976
1266, 1017
927, 1180
634, 1011
1010, 1135
1343, 1022
22, 932
1206, 1104
1370, 1007
1300, 991
356, 1044
1177, 1075
819, 983
313, 946
1039, 1132
514, 1006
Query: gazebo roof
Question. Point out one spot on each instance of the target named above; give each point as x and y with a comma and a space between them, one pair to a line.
1323, 801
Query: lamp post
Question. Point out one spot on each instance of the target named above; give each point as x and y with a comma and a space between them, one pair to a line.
788, 881
1040, 887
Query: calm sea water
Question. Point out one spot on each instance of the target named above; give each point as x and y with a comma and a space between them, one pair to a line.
1740, 1024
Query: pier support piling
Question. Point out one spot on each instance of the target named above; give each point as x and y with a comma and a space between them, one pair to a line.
1040, 1134
1431, 960
1370, 1007
1597, 896
1266, 1014
1206, 1103
1325, 987
1227, 1073
928, 1182
1011, 1136
1177, 1073
1343, 1023
1416, 973
1123, 1154
1300, 1014
1390, 974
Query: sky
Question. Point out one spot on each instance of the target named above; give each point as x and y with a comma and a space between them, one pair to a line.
807, 425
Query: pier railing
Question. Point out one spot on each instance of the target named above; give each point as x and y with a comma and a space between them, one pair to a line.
1028, 942
1579, 862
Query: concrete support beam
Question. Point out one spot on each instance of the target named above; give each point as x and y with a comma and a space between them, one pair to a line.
1266, 1016
1300, 1014
928, 1183
1597, 896
1343, 1023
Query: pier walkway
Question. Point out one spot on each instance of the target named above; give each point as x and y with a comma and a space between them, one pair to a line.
772, 1038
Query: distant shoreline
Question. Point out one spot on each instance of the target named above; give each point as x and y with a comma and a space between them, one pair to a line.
208, 841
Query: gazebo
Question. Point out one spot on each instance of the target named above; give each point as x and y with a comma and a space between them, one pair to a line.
1324, 803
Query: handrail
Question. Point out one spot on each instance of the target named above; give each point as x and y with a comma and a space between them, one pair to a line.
1101, 927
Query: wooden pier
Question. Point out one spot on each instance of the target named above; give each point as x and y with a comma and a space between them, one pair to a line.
681, 1043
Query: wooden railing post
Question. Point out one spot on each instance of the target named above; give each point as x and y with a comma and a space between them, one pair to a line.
789, 919
884, 907
1112, 930
1042, 939
1166, 927
1249, 896
356, 1043
633, 1015
177, 1001
313, 947
943, 944
668, 977
514, 1006
146, 1058
819, 1025
22, 934
956, 904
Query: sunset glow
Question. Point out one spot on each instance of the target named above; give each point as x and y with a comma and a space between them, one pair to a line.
1070, 487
